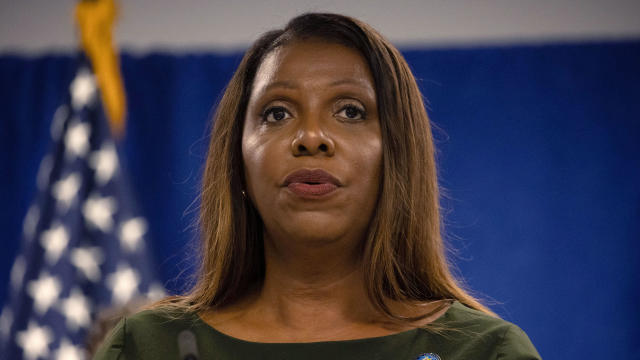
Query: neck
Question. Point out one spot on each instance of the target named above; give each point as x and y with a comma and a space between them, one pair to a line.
312, 292
314, 284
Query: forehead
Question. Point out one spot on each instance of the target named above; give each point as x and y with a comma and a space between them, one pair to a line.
312, 62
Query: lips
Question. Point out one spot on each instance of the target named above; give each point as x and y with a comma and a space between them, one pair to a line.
311, 183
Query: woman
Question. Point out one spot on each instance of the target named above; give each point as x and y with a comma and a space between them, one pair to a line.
319, 217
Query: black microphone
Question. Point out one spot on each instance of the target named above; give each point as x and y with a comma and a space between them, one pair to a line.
187, 345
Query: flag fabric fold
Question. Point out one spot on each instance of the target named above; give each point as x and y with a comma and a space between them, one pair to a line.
84, 244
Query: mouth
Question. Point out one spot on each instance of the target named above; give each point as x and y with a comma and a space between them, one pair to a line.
311, 183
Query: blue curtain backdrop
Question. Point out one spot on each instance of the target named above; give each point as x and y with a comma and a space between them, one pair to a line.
539, 153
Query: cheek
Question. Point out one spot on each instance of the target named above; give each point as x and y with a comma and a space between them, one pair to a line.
260, 169
374, 159
252, 157
369, 160
365, 161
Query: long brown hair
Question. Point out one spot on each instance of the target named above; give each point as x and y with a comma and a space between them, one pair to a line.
403, 255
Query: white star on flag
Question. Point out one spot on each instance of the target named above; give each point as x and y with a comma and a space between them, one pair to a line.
76, 309
44, 172
67, 351
54, 241
123, 283
17, 272
65, 190
76, 140
104, 162
131, 233
44, 291
156, 292
35, 341
57, 124
88, 260
83, 89
98, 211
6, 319
31, 221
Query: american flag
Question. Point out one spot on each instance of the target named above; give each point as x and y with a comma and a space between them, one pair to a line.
84, 246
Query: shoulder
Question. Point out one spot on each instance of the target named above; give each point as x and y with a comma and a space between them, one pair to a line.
142, 334
459, 316
159, 319
473, 334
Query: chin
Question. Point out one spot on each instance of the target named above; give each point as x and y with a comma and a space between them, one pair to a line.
320, 229
319, 236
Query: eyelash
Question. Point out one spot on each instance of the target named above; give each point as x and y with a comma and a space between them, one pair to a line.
362, 112
271, 110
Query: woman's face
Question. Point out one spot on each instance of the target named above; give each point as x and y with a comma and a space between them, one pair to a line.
311, 143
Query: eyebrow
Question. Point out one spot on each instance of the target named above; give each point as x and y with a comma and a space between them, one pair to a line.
350, 82
291, 85
284, 84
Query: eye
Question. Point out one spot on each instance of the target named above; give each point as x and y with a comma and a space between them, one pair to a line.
275, 114
352, 112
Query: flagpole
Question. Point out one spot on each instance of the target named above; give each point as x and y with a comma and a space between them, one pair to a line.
95, 20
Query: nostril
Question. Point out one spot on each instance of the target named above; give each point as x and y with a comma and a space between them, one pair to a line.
323, 147
301, 148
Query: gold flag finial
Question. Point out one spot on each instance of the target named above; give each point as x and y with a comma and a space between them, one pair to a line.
95, 20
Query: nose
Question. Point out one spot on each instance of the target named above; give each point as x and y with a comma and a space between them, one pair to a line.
311, 140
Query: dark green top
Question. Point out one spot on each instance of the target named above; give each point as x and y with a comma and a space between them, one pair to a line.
472, 335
